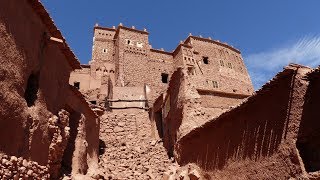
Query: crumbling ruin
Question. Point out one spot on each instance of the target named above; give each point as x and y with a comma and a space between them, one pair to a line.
135, 112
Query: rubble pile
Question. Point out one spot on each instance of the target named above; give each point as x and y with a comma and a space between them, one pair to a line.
129, 151
12, 167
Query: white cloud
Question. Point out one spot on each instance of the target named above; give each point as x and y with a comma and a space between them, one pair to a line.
264, 65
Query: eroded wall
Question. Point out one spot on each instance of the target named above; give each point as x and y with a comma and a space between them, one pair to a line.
178, 111
309, 130
25, 50
85, 144
255, 139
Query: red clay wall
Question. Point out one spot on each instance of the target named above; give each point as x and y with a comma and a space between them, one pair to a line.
181, 109
91, 130
252, 140
173, 103
23, 51
308, 142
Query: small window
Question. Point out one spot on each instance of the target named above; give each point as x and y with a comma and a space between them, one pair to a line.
205, 60
164, 78
129, 42
93, 102
76, 85
191, 71
139, 44
229, 65
185, 58
215, 84
241, 69
104, 50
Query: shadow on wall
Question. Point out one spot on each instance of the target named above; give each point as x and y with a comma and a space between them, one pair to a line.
69, 151
251, 131
102, 147
173, 120
308, 142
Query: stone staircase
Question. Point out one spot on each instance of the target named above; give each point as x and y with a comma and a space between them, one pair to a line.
128, 150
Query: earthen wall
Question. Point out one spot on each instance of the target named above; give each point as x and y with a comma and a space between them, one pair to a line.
309, 129
87, 133
261, 132
128, 150
25, 50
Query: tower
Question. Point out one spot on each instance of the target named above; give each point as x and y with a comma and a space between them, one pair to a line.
102, 64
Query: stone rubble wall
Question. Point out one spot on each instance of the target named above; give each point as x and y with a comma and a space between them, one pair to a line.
130, 152
12, 167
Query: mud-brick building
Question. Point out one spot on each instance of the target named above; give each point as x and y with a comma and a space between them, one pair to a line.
123, 58
46, 126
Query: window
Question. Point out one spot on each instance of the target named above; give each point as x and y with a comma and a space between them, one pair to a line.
215, 84
221, 63
229, 65
139, 45
104, 50
164, 78
129, 42
205, 60
191, 71
241, 69
76, 85
93, 102
30, 95
185, 58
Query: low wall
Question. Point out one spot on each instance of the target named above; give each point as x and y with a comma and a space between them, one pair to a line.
128, 97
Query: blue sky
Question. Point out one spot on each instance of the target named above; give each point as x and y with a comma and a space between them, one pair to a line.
270, 34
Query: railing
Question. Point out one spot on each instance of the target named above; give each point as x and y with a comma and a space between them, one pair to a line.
110, 104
